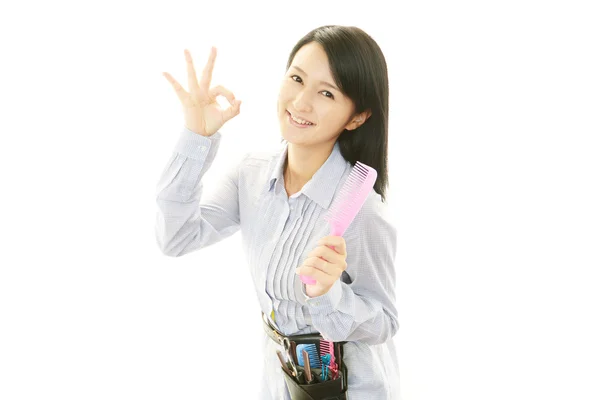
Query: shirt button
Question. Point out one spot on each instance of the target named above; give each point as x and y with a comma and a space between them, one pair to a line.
203, 148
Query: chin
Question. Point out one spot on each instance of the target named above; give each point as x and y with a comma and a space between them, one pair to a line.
295, 134
292, 137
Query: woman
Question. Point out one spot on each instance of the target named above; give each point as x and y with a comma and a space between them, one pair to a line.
333, 111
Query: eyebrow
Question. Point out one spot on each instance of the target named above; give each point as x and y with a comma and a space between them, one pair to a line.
323, 82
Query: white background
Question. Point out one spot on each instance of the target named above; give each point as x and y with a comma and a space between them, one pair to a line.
494, 187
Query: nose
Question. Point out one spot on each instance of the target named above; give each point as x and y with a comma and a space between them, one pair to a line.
302, 102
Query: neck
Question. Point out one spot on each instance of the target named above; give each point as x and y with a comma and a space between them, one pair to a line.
303, 162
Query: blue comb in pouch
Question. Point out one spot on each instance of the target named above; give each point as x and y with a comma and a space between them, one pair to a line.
313, 355
324, 373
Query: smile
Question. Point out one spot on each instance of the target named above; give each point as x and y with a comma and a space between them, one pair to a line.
298, 122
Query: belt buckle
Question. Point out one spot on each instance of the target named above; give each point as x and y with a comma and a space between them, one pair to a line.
283, 341
280, 339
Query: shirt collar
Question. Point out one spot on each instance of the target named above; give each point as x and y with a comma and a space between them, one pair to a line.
322, 186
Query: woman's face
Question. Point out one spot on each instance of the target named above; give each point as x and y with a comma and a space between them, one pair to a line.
308, 92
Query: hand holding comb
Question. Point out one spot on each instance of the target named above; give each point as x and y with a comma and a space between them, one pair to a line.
348, 203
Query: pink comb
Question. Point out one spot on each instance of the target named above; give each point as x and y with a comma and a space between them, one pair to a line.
348, 203
326, 347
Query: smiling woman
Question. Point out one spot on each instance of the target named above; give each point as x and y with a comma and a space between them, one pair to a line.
302, 96
332, 109
335, 90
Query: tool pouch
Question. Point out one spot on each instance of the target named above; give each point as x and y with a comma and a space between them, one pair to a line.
331, 389
318, 389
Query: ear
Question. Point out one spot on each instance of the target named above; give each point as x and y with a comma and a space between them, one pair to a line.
358, 120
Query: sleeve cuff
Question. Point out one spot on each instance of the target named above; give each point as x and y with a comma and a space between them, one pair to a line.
326, 303
196, 146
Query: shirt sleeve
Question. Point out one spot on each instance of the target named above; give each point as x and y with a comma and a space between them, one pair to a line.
364, 309
184, 224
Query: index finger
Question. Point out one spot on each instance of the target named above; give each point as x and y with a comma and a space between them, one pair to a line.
208, 69
336, 241
192, 80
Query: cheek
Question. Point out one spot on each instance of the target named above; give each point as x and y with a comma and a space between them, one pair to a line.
281, 100
330, 115
286, 92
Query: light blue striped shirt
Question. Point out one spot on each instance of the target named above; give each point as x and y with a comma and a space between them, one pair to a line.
278, 232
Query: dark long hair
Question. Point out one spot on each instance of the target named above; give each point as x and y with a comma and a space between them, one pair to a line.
360, 71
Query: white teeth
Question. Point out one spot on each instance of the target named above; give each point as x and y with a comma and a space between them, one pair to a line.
300, 121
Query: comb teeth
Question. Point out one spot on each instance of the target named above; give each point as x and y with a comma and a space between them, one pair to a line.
326, 347
313, 355
351, 197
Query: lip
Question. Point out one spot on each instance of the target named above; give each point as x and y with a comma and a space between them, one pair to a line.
290, 117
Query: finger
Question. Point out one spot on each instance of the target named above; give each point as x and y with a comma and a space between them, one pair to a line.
192, 79
179, 90
318, 275
328, 254
323, 253
232, 111
336, 264
208, 70
320, 264
220, 90
337, 242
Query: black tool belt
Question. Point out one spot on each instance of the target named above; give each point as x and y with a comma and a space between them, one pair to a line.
331, 388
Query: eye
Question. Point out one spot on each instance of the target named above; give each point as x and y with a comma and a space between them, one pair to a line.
299, 80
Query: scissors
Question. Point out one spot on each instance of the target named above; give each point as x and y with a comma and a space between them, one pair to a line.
287, 347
